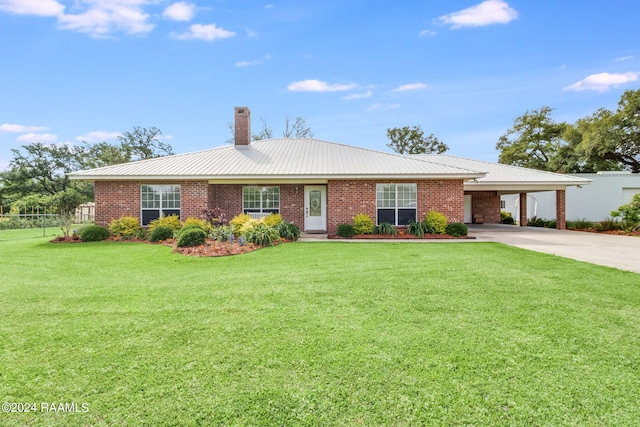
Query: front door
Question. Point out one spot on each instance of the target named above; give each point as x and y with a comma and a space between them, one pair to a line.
315, 208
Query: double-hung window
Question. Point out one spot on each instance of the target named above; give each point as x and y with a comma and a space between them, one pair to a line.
396, 203
159, 200
264, 200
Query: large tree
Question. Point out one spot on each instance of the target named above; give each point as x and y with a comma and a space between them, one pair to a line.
534, 141
411, 140
41, 169
614, 136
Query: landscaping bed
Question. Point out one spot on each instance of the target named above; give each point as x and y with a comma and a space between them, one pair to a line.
400, 236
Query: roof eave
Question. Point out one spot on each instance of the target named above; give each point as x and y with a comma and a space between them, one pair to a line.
464, 176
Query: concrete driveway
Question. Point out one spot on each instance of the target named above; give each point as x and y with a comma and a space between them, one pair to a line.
620, 252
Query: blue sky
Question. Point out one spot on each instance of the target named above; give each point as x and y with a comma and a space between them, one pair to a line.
73, 70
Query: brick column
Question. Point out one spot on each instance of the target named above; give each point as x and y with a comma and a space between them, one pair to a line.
561, 212
523, 210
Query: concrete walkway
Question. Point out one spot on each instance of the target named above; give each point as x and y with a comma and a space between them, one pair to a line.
622, 252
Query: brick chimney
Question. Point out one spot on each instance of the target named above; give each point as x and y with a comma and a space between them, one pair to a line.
242, 130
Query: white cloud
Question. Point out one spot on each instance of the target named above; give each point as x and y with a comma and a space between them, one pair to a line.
319, 86
180, 11
486, 13
98, 136
425, 33
351, 96
8, 127
103, 17
375, 107
254, 62
205, 32
411, 86
32, 7
37, 137
624, 58
602, 82
269, 6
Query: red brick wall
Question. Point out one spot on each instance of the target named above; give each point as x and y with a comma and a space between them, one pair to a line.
347, 198
115, 199
228, 197
561, 206
486, 203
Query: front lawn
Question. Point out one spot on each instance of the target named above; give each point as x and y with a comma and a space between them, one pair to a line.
324, 333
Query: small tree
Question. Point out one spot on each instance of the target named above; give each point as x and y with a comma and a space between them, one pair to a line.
411, 140
630, 214
66, 203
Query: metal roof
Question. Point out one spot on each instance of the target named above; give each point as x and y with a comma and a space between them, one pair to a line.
287, 158
500, 177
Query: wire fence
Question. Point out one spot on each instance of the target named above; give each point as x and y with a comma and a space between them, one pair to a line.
30, 225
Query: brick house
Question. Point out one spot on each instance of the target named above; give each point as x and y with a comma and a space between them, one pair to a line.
314, 184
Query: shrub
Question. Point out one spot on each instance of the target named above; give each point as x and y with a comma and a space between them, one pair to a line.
580, 224
608, 224
161, 232
126, 227
630, 214
262, 235
94, 233
214, 216
172, 221
242, 223
362, 224
201, 223
417, 229
222, 233
192, 237
506, 218
385, 228
535, 222
456, 229
345, 230
272, 220
436, 221
191, 226
288, 230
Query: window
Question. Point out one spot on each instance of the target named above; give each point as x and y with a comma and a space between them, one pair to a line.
396, 203
159, 200
261, 199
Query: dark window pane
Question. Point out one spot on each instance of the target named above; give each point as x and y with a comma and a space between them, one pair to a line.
406, 215
386, 215
168, 212
150, 215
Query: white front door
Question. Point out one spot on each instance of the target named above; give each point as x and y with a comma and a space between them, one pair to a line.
315, 208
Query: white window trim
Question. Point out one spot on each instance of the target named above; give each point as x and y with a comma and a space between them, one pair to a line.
161, 208
396, 208
262, 211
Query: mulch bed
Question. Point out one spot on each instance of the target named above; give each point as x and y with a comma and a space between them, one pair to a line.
611, 232
211, 248
401, 237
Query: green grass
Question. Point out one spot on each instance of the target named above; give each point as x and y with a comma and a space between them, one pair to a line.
329, 333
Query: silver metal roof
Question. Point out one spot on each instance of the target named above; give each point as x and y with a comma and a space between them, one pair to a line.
281, 159
500, 177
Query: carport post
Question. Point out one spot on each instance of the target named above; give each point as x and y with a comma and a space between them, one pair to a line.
561, 211
523, 210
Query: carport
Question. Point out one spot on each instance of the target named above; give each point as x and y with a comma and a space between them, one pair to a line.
482, 195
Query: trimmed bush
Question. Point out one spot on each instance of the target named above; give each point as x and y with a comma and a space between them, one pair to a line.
201, 223
262, 235
192, 237
456, 229
272, 220
363, 224
94, 233
288, 230
172, 221
242, 223
385, 228
436, 221
345, 230
192, 226
126, 227
162, 232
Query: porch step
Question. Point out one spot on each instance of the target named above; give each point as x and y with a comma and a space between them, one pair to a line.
312, 237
